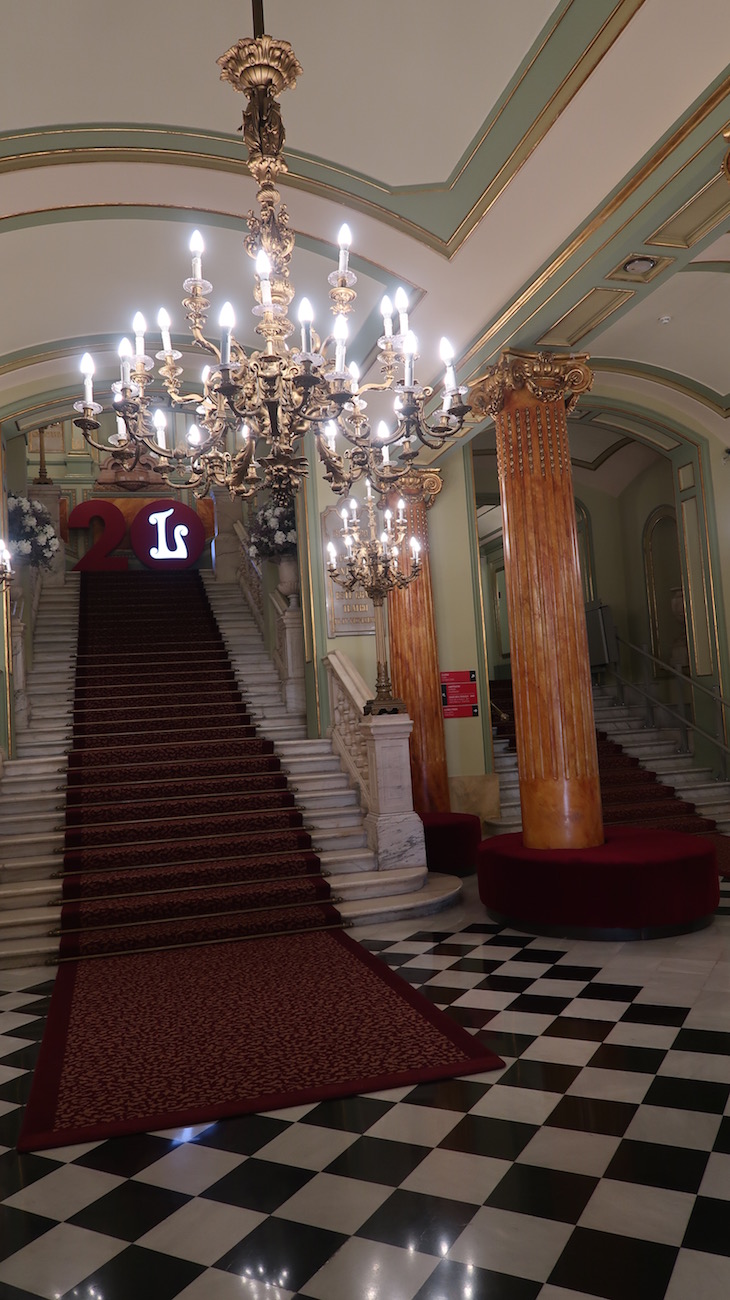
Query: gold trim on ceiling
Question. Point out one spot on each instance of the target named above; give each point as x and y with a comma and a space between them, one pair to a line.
591, 310
588, 231
634, 371
696, 217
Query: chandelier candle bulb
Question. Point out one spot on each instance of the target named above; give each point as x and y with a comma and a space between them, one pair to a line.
386, 309
401, 511
139, 325
401, 306
163, 321
415, 549
368, 489
331, 435
125, 355
87, 370
160, 424
340, 333
226, 320
354, 370
447, 356
388, 520
197, 248
344, 239
410, 346
121, 429
306, 316
353, 510
345, 519
263, 271
194, 435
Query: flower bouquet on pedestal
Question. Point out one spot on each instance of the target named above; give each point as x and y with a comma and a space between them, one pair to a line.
32, 539
273, 536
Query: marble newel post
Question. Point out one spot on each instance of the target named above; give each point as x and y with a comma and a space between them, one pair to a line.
226, 548
50, 497
394, 830
551, 680
413, 651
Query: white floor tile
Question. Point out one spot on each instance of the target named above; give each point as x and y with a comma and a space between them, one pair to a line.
524, 1105
566, 1051
633, 1210
497, 1239
634, 1035
337, 1204
201, 1230
64, 1192
12, 1022
57, 1261
361, 1269
459, 1175
716, 1181
520, 1022
216, 1285
578, 1153
612, 1085
696, 1065
675, 1128
699, 1276
595, 1009
190, 1168
307, 1146
421, 1125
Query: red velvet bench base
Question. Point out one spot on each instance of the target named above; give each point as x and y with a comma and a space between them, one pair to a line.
452, 840
639, 884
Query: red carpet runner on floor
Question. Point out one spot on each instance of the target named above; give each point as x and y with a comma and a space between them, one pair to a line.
182, 836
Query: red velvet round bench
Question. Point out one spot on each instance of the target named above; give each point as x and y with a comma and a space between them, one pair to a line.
639, 884
452, 840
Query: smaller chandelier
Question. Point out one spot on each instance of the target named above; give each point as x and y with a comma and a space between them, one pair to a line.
371, 562
254, 408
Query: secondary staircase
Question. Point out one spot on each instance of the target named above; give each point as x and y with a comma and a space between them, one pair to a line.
38, 837
645, 779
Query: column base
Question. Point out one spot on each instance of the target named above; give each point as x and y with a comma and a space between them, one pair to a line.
561, 813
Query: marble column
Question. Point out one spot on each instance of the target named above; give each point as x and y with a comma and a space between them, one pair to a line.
529, 396
414, 653
226, 548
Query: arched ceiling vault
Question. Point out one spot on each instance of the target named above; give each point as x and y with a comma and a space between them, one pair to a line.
502, 162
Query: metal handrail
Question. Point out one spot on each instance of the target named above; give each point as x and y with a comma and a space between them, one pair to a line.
684, 723
697, 686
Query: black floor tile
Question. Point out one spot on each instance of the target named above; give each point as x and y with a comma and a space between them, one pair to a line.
281, 1253
412, 1220
708, 1226
511, 939
447, 949
610, 992
441, 995
258, 1185
448, 1094
19, 1229
10, 1124
475, 965
376, 945
506, 983
25, 1057
722, 1141
539, 1004
484, 1136
679, 1169
351, 1114
244, 1135
614, 1267
711, 1041
18, 1171
8, 1292
17, 1089
577, 1027
505, 1043
419, 974
647, 1013
378, 1161
126, 1156
450, 1279
544, 1193
688, 1094
430, 936
395, 958
545, 956
545, 1076
592, 1115
130, 1210
144, 1274
620, 1056
472, 1017
33, 1029
574, 973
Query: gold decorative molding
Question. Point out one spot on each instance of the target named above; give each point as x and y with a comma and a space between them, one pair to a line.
696, 217
547, 377
590, 311
420, 484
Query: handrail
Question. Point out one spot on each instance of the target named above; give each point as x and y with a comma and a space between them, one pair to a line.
697, 686
684, 722
349, 694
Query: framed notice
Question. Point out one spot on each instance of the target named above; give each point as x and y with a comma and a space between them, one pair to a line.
349, 613
459, 694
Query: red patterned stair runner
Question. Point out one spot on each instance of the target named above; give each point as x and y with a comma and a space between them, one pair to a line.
180, 826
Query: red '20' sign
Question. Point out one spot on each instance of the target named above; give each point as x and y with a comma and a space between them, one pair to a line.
163, 535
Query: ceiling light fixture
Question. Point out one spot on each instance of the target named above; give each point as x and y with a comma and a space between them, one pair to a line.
254, 409
640, 264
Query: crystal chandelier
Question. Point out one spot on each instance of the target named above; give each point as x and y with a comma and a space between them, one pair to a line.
253, 409
370, 563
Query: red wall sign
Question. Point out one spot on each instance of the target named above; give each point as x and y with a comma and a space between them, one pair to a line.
459, 694
164, 534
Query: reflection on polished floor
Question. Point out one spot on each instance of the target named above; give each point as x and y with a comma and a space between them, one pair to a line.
597, 1163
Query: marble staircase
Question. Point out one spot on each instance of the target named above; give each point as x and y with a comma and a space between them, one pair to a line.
657, 749
32, 787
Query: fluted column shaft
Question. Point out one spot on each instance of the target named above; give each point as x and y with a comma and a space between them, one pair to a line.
551, 680
415, 667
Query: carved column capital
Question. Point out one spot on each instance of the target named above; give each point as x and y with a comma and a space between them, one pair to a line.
546, 376
419, 484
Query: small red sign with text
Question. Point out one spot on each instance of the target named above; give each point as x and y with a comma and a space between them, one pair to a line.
459, 694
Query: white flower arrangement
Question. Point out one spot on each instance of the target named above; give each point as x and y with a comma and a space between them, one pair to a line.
32, 538
273, 532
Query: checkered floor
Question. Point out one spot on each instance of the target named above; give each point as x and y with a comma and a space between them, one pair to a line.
596, 1163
